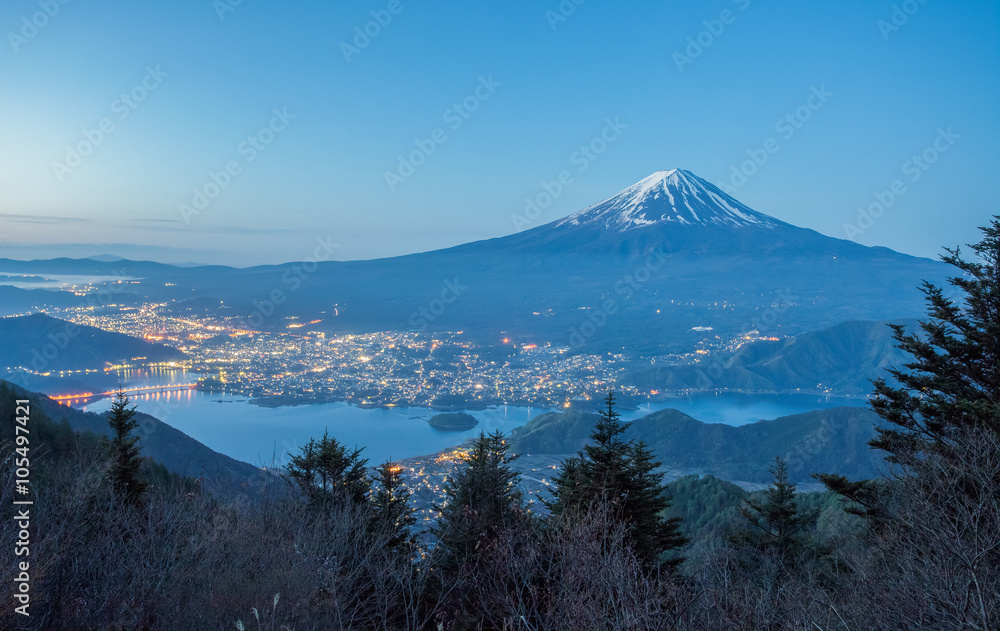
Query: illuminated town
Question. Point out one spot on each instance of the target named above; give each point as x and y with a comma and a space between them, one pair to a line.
443, 370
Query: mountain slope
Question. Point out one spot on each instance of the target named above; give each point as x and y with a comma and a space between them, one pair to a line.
43, 343
15, 300
842, 360
824, 441
639, 270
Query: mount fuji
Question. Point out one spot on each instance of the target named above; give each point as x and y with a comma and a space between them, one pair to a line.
658, 267
669, 197
679, 213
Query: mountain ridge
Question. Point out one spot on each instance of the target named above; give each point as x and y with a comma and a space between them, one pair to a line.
638, 195
834, 440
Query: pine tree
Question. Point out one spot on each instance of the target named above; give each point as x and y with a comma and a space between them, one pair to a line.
954, 381
327, 471
621, 476
776, 522
392, 512
952, 386
482, 503
123, 451
567, 488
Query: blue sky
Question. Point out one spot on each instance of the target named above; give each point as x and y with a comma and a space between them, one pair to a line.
215, 73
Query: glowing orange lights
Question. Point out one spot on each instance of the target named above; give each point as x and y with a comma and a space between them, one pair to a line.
143, 389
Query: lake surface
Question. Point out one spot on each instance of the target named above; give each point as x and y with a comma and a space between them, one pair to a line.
230, 425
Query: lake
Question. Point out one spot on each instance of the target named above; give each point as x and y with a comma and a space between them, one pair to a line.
231, 425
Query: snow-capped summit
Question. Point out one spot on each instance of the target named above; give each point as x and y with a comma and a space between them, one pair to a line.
675, 197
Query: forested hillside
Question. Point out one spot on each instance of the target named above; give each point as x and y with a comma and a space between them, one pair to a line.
833, 440
842, 359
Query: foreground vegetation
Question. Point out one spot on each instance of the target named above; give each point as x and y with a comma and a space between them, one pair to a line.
121, 544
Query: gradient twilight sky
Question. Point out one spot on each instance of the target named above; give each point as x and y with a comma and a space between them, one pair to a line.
890, 89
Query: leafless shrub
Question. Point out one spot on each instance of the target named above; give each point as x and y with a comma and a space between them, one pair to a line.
188, 560
578, 573
935, 561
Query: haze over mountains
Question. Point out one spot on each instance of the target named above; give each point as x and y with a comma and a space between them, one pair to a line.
649, 269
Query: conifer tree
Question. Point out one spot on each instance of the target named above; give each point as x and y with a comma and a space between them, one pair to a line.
952, 386
482, 502
327, 471
776, 523
392, 512
123, 451
622, 476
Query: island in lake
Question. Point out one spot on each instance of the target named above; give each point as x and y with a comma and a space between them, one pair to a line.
453, 421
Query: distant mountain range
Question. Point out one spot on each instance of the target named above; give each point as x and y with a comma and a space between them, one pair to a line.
824, 441
663, 265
